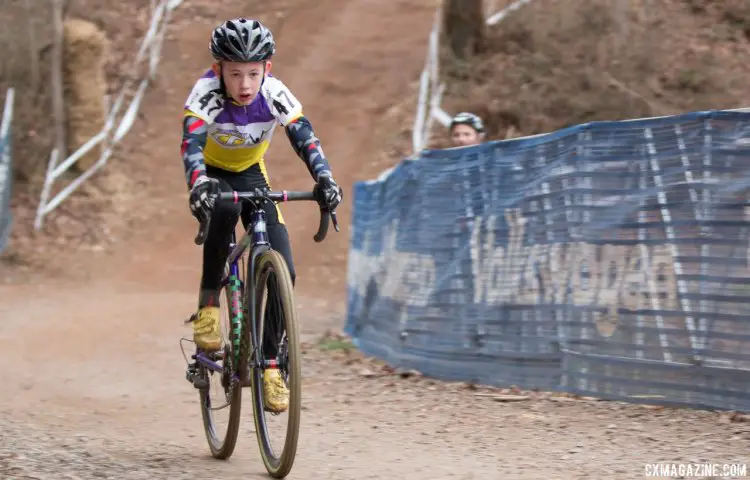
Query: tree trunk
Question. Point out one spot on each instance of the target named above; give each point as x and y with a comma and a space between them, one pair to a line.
463, 24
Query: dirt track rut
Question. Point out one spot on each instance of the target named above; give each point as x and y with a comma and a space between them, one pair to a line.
97, 387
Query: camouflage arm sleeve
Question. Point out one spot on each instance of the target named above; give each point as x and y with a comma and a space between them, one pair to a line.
307, 146
194, 134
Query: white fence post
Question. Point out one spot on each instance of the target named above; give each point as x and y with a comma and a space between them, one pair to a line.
7, 113
161, 14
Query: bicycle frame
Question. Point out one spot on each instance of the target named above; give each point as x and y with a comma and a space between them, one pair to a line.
242, 363
256, 239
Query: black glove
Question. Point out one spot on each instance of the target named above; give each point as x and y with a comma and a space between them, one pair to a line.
202, 197
329, 193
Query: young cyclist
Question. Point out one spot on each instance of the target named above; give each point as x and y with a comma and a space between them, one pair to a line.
230, 116
466, 129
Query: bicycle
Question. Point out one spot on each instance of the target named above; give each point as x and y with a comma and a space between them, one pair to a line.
241, 363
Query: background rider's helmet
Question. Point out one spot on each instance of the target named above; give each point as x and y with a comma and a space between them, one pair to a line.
242, 40
470, 119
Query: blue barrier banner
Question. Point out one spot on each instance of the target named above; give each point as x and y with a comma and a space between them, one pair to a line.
608, 259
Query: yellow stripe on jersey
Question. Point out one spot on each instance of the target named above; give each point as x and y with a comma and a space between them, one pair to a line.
190, 113
233, 159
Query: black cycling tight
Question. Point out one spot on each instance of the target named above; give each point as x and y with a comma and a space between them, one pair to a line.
223, 221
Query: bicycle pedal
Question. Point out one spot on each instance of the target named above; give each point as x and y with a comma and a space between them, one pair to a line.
201, 383
191, 375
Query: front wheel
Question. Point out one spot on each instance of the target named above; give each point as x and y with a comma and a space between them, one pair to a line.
274, 300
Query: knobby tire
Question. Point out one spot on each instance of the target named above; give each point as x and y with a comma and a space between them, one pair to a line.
279, 466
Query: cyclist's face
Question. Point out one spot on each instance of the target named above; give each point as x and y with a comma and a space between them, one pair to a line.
463, 136
243, 79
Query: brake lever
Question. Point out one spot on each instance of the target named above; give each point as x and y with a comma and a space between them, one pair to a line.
200, 238
335, 221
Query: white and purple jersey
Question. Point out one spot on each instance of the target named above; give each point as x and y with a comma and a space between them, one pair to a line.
238, 135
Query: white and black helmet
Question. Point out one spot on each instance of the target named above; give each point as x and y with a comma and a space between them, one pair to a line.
242, 40
470, 119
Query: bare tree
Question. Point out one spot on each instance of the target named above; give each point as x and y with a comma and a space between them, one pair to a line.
464, 24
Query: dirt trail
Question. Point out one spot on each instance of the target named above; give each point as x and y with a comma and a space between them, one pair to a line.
97, 385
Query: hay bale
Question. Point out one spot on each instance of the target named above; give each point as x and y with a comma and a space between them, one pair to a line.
84, 50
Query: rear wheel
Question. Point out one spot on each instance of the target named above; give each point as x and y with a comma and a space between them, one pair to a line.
223, 397
274, 298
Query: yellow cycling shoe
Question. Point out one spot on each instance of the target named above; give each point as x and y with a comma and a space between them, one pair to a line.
206, 331
275, 393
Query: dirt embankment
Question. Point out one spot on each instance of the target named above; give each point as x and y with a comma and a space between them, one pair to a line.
557, 63
97, 381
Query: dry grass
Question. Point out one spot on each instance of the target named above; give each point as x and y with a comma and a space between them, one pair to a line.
556, 63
